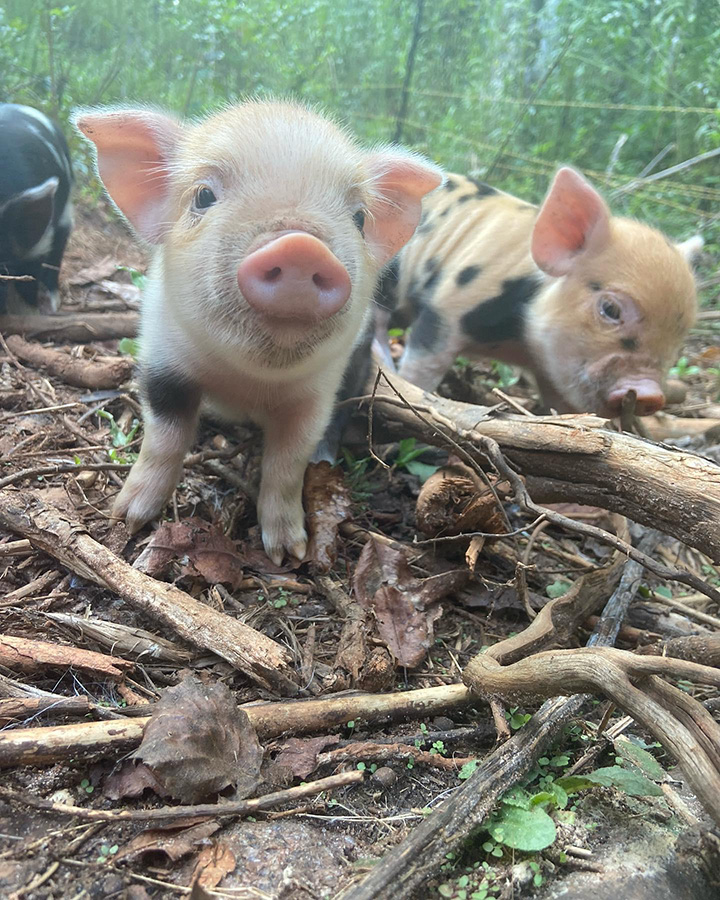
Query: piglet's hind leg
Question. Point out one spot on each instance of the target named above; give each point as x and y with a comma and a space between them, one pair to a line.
170, 422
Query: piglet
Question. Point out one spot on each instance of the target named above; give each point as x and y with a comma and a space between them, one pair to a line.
271, 225
35, 209
595, 305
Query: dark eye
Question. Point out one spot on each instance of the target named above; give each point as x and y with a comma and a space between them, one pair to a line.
609, 309
204, 198
359, 220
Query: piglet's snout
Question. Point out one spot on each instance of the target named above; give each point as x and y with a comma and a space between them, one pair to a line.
294, 277
650, 397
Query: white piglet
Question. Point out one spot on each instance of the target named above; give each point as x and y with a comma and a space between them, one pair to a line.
271, 225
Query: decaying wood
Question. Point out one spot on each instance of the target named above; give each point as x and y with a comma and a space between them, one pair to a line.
373, 752
250, 651
17, 709
15, 548
37, 746
73, 328
575, 459
125, 641
216, 810
454, 500
22, 654
78, 372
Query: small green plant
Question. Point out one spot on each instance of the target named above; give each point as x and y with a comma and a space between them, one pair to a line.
517, 719
407, 458
86, 786
396, 332
357, 475
129, 346
106, 852
118, 437
558, 588
683, 369
506, 375
468, 769
137, 278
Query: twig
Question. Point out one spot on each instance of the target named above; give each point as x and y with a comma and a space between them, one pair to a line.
680, 167
35, 746
169, 813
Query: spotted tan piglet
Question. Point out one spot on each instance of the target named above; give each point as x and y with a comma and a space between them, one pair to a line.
595, 305
270, 224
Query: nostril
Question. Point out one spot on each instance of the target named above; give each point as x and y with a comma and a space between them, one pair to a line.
273, 274
322, 282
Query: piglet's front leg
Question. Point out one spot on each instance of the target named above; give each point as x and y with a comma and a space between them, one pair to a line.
171, 412
291, 434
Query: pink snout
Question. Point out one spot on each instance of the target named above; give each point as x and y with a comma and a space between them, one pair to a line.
650, 397
294, 277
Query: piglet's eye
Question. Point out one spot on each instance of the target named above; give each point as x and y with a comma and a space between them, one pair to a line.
359, 220
609, 309
204, 198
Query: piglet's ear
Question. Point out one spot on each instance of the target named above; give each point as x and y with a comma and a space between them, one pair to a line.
691, 248
26, 216
135, 149
573, 220
398, 182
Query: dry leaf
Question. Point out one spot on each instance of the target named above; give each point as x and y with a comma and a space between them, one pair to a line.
300, 754
328, 503
213, 864
106, 267
198, 742
173, 841
404, 606
203, 550
131, 780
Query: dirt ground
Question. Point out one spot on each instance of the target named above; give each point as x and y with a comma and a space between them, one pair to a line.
209, 548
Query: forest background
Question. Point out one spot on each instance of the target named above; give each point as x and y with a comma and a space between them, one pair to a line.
502, 90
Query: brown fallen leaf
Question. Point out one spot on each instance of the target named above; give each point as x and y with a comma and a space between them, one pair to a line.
173, 841
131, 780
203, 550
405, 607
328, 503
299, 755
102, 269
213, 864
198, 742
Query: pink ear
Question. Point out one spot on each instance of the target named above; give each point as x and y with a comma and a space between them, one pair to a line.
572, 220
134, 151
399, 181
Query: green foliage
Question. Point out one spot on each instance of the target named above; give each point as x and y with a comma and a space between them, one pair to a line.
484, 75
558, 588
357, 475
407, 458
129, 346
683, 369
119, 439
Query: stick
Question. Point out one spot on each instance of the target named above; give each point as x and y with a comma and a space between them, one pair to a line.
575, 459
37, 746
216, 810
260, 658
73, 328
31, 656
77, 372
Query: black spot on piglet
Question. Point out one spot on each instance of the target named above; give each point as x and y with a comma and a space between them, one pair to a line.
170, 394
466, 275
500, 318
